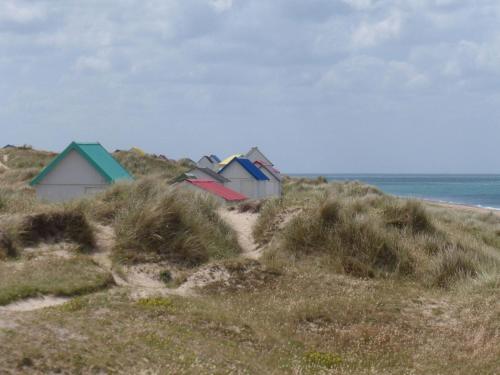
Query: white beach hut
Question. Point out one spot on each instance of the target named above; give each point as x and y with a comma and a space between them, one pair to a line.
256, 155
245, 178
273, 187
81, 169
208, 174
208, 162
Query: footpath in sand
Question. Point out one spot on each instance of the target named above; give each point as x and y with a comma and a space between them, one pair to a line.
242, 223
143, 280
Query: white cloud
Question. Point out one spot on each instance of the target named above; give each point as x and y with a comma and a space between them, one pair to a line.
92, 63
21, 12
371, 34
365, 74
222, 5
359, 4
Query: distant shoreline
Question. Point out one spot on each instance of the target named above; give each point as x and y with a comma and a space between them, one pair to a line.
462, 207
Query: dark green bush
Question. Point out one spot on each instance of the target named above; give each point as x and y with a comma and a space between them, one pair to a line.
57, 226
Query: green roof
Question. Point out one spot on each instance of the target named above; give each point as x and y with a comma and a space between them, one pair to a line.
97, 156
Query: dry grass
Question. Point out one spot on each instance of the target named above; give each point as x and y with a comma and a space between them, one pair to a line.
367, 234
147, 165
171, 224
308, 320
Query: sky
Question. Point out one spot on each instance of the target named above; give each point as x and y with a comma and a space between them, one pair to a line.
338, 86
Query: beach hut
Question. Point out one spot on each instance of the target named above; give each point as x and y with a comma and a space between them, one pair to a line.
207, 162
207, 174
229, 159
215, 158
245, 178
256, 155
215, 189
81, 169
273, 187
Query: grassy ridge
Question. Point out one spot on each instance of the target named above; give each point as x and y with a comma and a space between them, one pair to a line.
365, 233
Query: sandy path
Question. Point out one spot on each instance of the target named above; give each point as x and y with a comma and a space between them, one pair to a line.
242, 224
31, 304
3, 166
105, 238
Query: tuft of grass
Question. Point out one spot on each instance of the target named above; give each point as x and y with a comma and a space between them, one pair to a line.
327, 360
410, 215
267, 223
8, 247
156, 302
453, 265
172, 224
75, 304
166, 276
253, 206
56, 226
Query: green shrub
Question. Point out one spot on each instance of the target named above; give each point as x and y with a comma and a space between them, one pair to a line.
166, 276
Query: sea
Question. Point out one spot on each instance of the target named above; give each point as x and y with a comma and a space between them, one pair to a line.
471, 190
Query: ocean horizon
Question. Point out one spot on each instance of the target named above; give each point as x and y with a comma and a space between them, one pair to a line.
478, 190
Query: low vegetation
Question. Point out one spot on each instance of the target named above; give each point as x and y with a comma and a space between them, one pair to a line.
365, 233
57, 226
141, 165
352, 281
171, 224
50, 276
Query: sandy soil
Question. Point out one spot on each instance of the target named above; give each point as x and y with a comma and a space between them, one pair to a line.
242, 224
463, 207
105, 238
3, 166
31, 304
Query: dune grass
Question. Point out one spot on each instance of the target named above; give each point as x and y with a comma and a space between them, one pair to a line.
147, 165
171, 224
365, 233
50, 276
353, 282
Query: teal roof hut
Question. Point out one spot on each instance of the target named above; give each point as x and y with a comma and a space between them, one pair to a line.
81, 169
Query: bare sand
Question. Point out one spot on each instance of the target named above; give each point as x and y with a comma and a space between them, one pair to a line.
462, 207
31, 304
243, 223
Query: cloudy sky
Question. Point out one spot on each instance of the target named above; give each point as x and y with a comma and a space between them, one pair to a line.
320, 85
